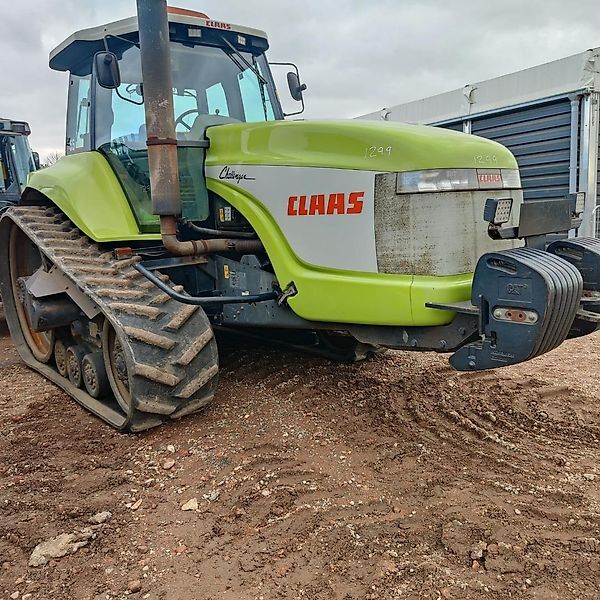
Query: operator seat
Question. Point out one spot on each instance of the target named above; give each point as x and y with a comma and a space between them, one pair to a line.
203, 122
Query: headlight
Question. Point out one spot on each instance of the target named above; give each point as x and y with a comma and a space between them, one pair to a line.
442, 180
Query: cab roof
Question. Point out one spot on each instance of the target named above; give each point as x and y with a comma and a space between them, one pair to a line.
14, 127
80, 47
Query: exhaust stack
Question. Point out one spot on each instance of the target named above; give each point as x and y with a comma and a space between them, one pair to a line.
153, 24
158, 101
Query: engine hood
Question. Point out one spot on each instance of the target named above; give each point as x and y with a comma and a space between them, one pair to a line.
350, 144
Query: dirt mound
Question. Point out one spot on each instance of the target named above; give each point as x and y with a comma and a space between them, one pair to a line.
393, 478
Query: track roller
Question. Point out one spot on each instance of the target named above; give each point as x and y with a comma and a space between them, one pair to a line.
60, 357
75, 356
94, 375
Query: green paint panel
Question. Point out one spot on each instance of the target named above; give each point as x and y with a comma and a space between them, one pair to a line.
446, 289
347, 296
85, 188
353, 144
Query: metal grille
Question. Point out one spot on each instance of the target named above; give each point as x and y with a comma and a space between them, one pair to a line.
433, 233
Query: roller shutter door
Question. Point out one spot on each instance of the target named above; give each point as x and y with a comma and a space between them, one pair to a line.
539, 137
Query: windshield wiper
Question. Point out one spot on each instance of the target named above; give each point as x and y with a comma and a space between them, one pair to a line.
262, 82
244, 60
233, 60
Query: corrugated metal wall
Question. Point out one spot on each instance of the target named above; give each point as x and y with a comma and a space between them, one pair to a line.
597, 216
539, 137
458, 126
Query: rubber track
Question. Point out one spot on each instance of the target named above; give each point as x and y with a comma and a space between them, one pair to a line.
170, 347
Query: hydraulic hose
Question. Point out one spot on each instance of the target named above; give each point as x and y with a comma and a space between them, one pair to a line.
203, 300
168, 230
217, 232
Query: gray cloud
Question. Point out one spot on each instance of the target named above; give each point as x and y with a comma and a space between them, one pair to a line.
356, 56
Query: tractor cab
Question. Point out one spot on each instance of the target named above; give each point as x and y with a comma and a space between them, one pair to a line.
16, 160
220, 75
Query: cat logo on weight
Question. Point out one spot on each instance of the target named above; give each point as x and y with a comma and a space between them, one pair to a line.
515, 289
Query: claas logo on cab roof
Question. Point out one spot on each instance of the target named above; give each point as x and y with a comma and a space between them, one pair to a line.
174, 10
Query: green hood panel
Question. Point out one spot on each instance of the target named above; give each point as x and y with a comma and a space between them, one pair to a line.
353, 144
86, 189
337, 296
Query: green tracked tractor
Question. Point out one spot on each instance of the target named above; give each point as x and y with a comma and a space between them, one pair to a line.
186, 202
16, 160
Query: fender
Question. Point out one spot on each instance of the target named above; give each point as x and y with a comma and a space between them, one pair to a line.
86, 189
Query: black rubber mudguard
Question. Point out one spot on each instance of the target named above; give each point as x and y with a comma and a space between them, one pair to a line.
539, 292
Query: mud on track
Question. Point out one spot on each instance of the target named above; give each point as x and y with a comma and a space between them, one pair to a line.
395, 478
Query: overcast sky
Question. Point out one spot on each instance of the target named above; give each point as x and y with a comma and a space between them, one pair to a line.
356, 56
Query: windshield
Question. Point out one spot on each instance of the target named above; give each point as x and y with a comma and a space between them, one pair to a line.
16, 161
211, 86
206, 81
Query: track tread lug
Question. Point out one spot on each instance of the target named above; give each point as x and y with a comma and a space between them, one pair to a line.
152, 339
195, 348
161, 298
181, 317
122, 294
198, 382
159, 375
191, 407
137, 310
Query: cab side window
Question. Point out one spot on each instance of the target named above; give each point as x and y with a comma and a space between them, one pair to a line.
78, 119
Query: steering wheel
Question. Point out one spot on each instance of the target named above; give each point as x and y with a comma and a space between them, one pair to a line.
180, 119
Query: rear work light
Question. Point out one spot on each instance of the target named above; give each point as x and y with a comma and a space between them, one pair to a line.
443, 180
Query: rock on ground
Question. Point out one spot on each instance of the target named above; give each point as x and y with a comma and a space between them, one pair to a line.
59, 546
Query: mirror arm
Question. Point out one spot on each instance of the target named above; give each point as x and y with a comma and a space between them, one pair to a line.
129, 99
117, 37
298, 112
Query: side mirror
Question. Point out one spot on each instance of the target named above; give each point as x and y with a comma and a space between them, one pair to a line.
296, 88
36, 160
106, 66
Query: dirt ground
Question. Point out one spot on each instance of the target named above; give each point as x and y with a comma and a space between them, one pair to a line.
394, 478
